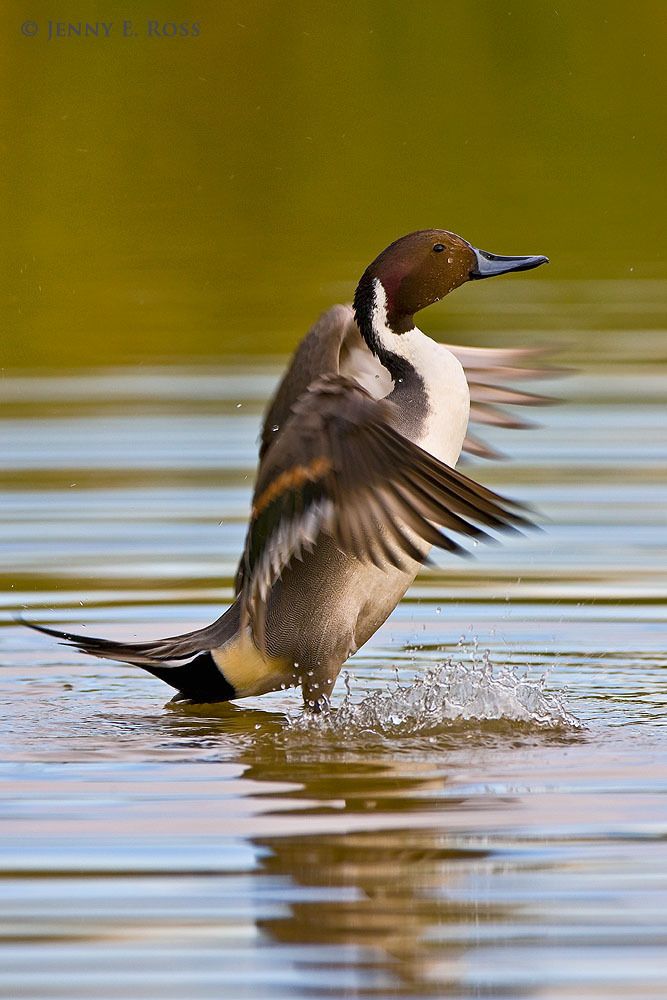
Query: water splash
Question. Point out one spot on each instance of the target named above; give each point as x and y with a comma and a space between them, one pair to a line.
447, 695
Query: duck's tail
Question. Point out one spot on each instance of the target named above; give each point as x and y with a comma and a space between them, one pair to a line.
198, 679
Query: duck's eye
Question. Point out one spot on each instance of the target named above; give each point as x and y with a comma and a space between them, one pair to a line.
438, 248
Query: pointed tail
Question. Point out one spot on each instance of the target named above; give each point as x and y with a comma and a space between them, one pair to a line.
199, 679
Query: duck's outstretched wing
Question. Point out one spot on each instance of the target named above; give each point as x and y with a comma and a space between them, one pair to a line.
340, 468
317, 354
490, 373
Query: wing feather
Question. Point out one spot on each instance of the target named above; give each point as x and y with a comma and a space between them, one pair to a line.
340, 468
489, 370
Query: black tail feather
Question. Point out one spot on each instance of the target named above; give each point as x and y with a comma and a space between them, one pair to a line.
157, 652
198, 680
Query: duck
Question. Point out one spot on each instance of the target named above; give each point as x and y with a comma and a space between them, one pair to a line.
356, 483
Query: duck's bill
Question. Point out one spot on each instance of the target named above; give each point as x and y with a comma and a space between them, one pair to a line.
491, 264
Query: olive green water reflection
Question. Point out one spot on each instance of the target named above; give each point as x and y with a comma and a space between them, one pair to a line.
194, 197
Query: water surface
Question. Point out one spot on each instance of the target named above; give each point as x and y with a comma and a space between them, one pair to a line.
485, 816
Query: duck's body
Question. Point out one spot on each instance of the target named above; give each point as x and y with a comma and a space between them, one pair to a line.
357, 461
347, 598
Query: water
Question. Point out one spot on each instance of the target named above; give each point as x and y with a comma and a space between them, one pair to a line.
447, 696
484, 814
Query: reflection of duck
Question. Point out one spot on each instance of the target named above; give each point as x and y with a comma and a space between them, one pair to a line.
367, 860
356, 467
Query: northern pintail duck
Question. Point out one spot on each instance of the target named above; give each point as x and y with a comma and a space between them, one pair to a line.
356, 483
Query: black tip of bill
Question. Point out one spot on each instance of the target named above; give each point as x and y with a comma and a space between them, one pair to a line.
491, 264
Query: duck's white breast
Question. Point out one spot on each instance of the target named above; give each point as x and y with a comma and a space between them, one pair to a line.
447, 392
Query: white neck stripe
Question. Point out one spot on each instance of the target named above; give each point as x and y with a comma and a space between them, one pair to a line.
389, 340
443, 380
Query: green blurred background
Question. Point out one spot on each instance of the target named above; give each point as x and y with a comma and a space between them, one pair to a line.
193, 198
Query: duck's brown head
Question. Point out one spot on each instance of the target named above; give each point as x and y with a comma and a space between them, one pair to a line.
420, 269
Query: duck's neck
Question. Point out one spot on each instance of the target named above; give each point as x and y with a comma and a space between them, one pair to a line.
381, 331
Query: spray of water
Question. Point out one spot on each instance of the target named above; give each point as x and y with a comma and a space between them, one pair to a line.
449, 694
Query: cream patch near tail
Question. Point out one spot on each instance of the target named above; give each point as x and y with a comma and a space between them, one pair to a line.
250, 673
